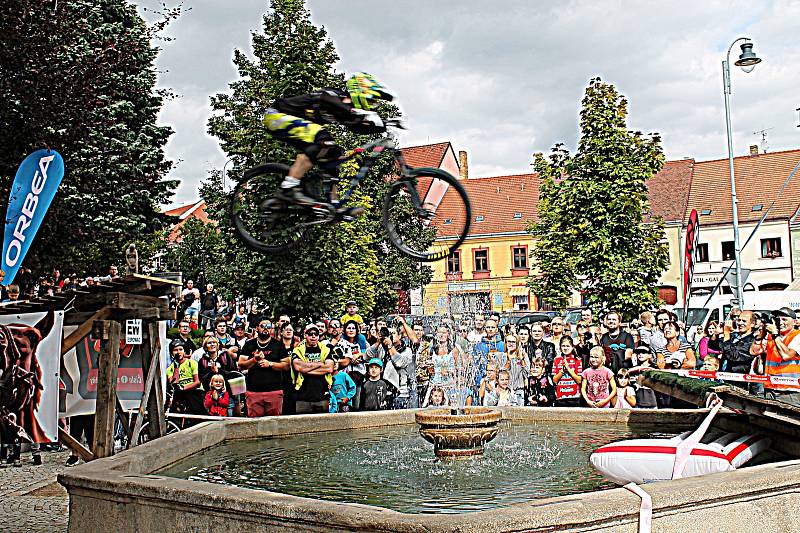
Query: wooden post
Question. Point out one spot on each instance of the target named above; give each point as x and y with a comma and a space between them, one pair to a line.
108, 331
152, 400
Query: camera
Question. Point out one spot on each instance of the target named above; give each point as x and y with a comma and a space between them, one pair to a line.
384, 332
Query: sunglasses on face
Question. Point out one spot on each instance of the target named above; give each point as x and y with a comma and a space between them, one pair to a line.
312, 334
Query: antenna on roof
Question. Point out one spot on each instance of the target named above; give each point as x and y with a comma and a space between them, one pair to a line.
764, 143
798, 113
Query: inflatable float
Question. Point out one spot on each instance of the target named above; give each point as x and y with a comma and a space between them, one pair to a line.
686, 455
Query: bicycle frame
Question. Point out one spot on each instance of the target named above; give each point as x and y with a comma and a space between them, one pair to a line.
373, 151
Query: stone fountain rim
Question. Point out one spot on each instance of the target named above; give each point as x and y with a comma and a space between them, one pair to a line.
121, 488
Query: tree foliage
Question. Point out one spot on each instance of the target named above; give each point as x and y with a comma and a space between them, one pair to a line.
335, 263
591, 235
78, 76
197, 253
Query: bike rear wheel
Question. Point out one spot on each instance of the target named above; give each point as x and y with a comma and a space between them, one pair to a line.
262, 221
427, 214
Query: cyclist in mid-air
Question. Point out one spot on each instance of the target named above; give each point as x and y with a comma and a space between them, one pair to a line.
296, 121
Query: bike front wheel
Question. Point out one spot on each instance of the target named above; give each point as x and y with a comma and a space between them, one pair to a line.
427, 214
262, 221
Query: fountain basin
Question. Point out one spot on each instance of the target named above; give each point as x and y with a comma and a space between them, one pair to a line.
126, 493
458, 433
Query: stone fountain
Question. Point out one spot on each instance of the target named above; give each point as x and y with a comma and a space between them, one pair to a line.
459, 432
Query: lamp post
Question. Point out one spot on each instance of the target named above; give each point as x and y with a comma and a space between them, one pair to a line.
747, 61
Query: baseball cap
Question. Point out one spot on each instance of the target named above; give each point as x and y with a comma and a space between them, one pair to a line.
310, 327
785, 311
375, 361
350, 302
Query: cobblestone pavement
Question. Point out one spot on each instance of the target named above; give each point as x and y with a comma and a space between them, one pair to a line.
31, 500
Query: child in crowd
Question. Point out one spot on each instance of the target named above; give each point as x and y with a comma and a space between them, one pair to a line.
597, 381
375, 394
437, 397
351, 313
626, 394
503, 395
711, 363
488, 383
541, 391
568, 392
217, 398
343, 389
645, 396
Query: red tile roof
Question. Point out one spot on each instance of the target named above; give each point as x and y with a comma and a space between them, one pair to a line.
759, 178
178, 211
195, 210
497, 200
668, 190
426, 155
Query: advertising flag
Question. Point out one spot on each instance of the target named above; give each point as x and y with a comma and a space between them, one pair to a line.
692, 236
35, 185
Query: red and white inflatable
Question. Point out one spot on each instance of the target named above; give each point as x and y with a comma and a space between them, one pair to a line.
648, 460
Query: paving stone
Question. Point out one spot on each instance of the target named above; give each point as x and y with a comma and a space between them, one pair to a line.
31, 500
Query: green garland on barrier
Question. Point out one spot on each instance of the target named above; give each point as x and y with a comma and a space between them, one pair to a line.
691, 385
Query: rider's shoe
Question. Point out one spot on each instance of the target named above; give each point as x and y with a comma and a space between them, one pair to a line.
292, 191
348, 214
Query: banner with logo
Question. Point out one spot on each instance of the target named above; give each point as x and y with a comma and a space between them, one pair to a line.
692, 236
80, 368
35, 185
31, 362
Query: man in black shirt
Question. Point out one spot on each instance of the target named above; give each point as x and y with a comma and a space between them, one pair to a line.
538, 347
265, 360
736, 350
617, 344
183, 335
209, 302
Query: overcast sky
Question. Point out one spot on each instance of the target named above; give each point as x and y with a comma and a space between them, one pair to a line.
504, 80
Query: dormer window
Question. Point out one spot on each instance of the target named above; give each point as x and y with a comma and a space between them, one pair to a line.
517, 215
479, 218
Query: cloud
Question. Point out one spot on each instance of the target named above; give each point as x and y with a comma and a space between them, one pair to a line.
505, 79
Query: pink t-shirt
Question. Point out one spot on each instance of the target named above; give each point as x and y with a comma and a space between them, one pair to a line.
598, 383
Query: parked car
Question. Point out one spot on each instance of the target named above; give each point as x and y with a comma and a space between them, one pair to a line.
526, 318
573, 315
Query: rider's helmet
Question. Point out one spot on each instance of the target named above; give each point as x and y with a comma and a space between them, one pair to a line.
364, 89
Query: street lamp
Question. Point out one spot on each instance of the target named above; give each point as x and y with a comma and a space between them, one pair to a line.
747, 61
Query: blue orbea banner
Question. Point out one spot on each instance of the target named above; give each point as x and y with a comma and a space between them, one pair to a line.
35, 185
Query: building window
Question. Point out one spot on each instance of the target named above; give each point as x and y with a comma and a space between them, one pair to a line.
454, 262
521, 303
702, 252
771, 247
519, 256
728, 251
481, 260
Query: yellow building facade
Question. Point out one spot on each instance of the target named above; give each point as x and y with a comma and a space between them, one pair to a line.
490, 270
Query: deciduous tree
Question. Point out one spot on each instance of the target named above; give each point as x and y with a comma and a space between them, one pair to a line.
336, 262
591, 235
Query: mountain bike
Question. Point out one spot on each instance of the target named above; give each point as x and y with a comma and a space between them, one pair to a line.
426, 212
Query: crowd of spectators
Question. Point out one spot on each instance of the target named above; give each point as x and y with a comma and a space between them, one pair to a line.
350, 363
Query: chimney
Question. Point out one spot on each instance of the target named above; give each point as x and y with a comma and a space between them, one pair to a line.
463, 167
753, 149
